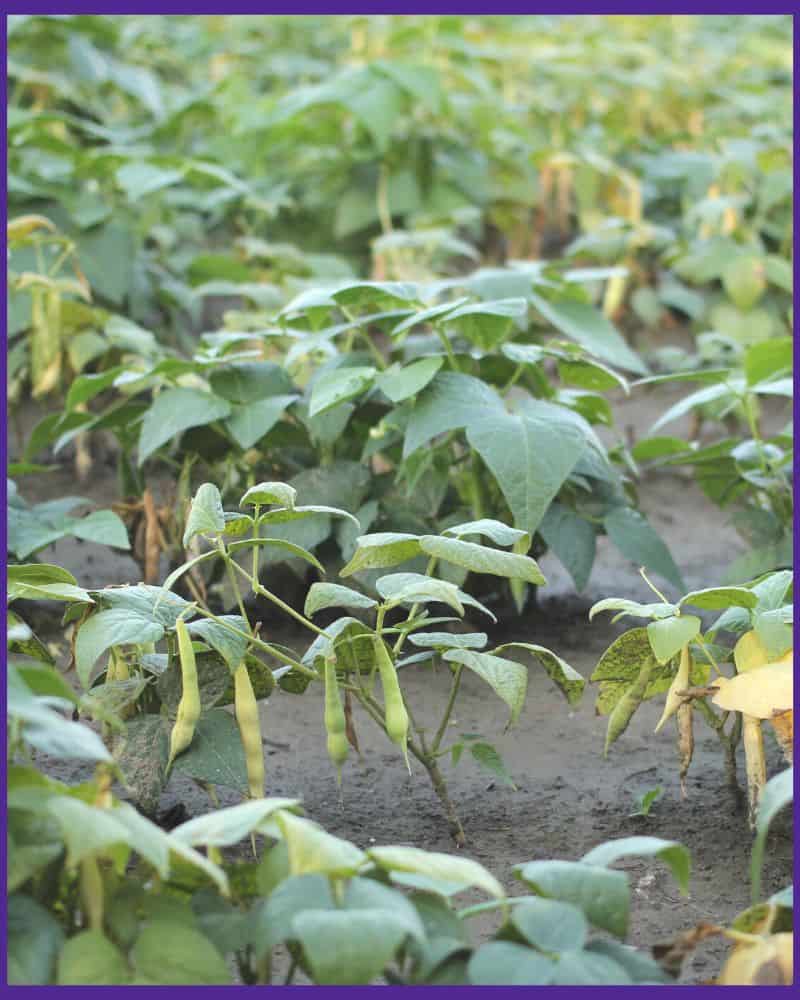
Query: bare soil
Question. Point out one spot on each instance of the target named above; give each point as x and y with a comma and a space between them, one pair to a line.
568, 798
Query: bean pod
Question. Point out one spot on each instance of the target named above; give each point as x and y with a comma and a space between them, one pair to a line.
335, 720
249, 722
680, 683
396, 716
626, 706
189, 706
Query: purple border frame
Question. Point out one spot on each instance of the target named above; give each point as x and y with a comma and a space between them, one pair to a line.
375, 7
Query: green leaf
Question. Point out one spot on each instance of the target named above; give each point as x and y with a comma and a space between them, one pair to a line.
216, 755
43, 582
189, 958
348, 947
776, 795
508, 679
602, 894
337, 386
33, 942
415, 588
591, 375
311, 849
263, 494
584, 968
487, 756
744, 280
633, 608
572, 539
380, 550
103, 527
251, 382
449, 640
249, 422
115, 627
590, 328
399, 383
719, 598
550, 925
633, 535
639, 967
486, 324
205, 515
709, 394
90, 959
499, 533
480, 559
450, 401
530, 455
768, 359
334, 595
444, 867
230, 646
285, 516
138, 179
231, 825
273, 920
674, 855
669, 635
503, 963
567, 679
175, 410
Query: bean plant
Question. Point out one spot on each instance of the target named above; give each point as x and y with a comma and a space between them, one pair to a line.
675, 653
144, 695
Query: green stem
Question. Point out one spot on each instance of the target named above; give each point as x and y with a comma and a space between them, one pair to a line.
414, 609
263, 592
229, 563
448, 348
265, 646
448, 709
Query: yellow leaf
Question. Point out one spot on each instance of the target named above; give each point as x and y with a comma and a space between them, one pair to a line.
759, 693
768, 962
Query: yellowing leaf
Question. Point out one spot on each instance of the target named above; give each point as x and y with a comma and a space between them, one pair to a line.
757, 693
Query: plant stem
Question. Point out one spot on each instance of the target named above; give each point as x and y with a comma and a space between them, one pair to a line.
448, 709
229, 563
263, 592
265, 646
451, 357
414, 608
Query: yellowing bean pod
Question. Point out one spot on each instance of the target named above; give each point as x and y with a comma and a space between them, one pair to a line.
249, 722
396, 716
189, 706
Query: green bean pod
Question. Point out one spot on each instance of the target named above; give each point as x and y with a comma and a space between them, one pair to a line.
92, 892
624, 709
189, 705
335, 721
394, 707
249, 722
680, 683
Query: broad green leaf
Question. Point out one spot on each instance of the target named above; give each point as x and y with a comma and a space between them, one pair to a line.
499, 533
415, 588
503, 963
286, 515
449, 402
572, 539
449, 640
115, 627
231, 825
591, 375
251, 382
87, 386
273, 920
445, 867
34, 939
480, 559
249, 422
337, 386
425, 315
641, 968
778, 793
486, 324
550, 925
24, 586
674, 855
297, 551
744, 280
348, 947
334, 595
189, 958
719, 598
399, 383
530, 456
138, 179
590, 328
669, 635
103, 527
381, 550
567, 679
585, 968
90, 959
508, 679
602, 894
633, 535
720, 390
216, 755
174, 411
205, 515
311, 849
280, 494
768, 359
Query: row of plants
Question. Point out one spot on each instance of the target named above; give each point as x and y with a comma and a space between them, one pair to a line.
95, 889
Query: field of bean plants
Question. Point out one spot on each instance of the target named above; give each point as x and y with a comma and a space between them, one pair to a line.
399, 500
